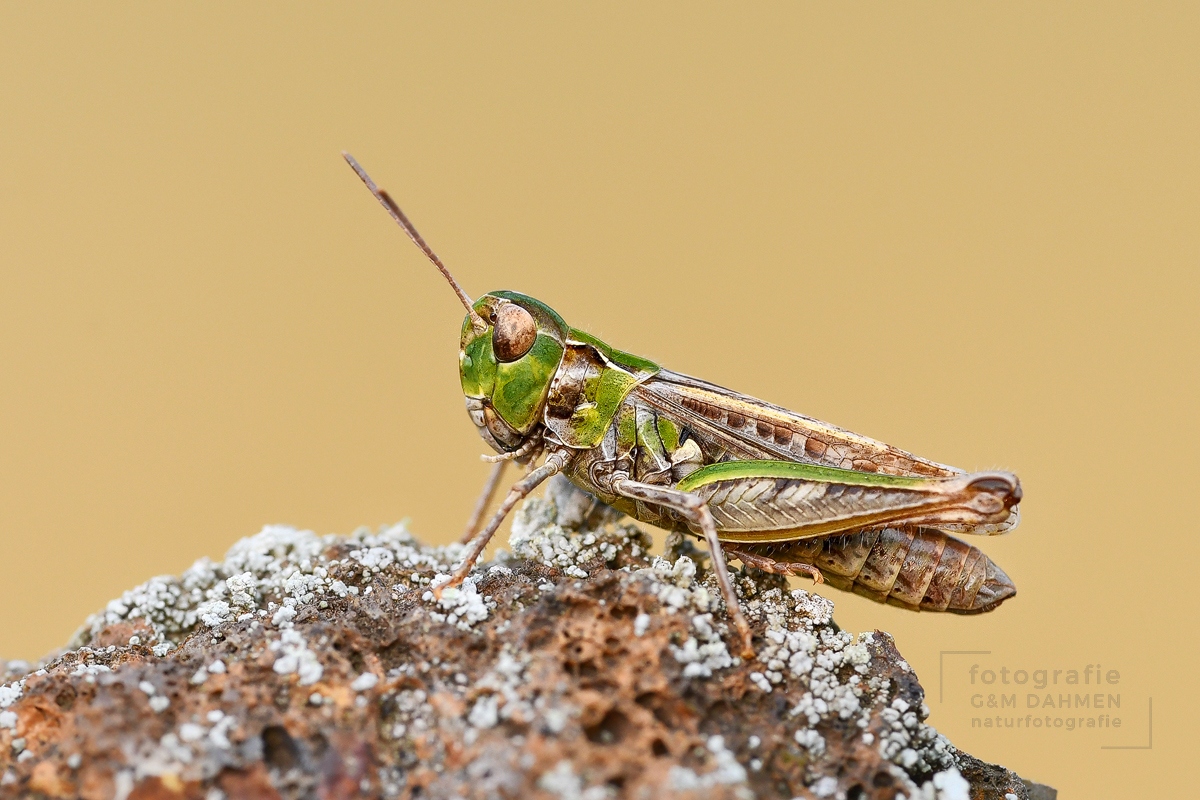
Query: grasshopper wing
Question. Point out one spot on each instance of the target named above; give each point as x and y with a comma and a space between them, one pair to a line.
732, 426
764, 431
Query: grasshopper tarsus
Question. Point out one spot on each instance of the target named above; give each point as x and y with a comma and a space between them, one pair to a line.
770, 565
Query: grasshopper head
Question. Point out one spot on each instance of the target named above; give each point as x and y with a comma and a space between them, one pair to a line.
510, 348
507, 365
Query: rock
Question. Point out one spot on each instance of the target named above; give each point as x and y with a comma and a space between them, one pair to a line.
579, 666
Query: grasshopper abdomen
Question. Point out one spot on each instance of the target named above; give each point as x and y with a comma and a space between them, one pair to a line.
916, 568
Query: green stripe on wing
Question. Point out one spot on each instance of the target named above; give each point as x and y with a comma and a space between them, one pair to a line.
736, 470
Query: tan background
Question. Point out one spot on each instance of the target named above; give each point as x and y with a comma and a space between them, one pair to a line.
971, 232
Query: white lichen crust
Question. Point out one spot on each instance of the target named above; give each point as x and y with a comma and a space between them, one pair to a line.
537, 675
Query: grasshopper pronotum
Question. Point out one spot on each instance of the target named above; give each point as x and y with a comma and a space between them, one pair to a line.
777, 490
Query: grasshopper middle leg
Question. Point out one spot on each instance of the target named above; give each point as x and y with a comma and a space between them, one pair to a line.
696, 512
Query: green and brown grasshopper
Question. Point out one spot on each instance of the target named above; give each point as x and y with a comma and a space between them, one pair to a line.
779, 491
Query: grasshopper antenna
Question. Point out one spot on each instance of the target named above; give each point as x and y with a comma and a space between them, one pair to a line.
387, 202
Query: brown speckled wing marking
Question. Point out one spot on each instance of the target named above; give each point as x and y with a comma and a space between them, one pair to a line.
755, 429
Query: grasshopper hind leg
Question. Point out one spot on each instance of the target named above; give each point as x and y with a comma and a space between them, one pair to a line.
695, 511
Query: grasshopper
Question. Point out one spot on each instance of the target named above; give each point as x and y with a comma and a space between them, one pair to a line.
779, 491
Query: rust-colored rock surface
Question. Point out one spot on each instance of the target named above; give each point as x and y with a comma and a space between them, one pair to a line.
577, 667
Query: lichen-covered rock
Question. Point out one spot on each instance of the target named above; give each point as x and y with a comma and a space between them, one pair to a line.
580, 666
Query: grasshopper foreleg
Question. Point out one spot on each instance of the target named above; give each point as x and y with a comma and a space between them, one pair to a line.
768, 564
554, 464
485, 500
695, 511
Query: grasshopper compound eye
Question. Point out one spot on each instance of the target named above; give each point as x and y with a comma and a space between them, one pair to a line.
514, 334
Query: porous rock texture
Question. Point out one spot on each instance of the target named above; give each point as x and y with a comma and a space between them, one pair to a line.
578, 666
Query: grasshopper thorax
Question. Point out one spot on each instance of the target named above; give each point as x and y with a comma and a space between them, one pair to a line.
506, 368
